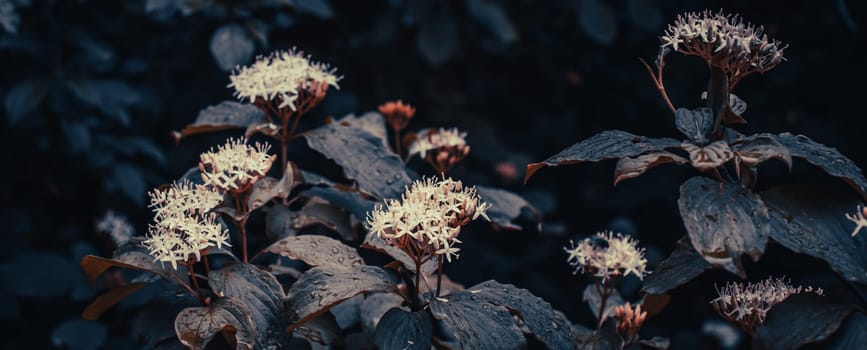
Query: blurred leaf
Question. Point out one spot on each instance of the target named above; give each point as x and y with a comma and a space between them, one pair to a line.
645, 14
505, 206
317, 8
261, 292
316, 250
695, 124
231, 46
9, 18
130, 256
594, 301
269, 188
40, 275
684, 264
319, 289
223, 116
130, 181
197, 326
476, 323
605, 145
24, 97
77, 136
827, 158
546, 324
598, 20
79, 335
656, 343
315, 212
492, 15
852, 335
109, 96
363, 158
605, 338
724, 220
402, 330
810, 220
437, 38
632, 167
799, 320
102, 303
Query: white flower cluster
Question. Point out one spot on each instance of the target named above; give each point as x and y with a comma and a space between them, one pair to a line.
859, 218
116, 226
283, 75
708, 34
608, 254
747, 306
427, 219
236, 165
434, 139
183, 226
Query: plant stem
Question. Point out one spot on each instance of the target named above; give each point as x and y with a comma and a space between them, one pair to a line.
243, 225
717, 98
657, 81
439, 274
207, 265
194, 280
397, 142
241, 209
604, 293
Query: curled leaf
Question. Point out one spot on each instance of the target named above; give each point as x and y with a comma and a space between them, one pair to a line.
632, 167
197, 326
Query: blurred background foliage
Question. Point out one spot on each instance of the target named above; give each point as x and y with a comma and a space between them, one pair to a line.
92, 90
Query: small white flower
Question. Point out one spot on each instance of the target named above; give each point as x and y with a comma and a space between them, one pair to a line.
183, 227
606, 255
236, 165
428, 217
281, 77
433, 139
859, 218
747, 306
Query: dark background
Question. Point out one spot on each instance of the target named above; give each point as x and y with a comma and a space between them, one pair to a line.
93, 88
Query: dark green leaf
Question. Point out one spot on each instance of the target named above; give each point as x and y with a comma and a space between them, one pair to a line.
631, 167
224, 116
373, 242
852, 335
505, 206
492, 16
319, 289
363, 157
829, 159
316, 250
24, 98
799, 320
269, 188
659, 343
476, 323
262, 294
695, 124
546, 324
130, 256
724, 220
197, 326
231, 46
283, 222
684, 264
605, 145
756, 149
810, 220
403, 330
322, 329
